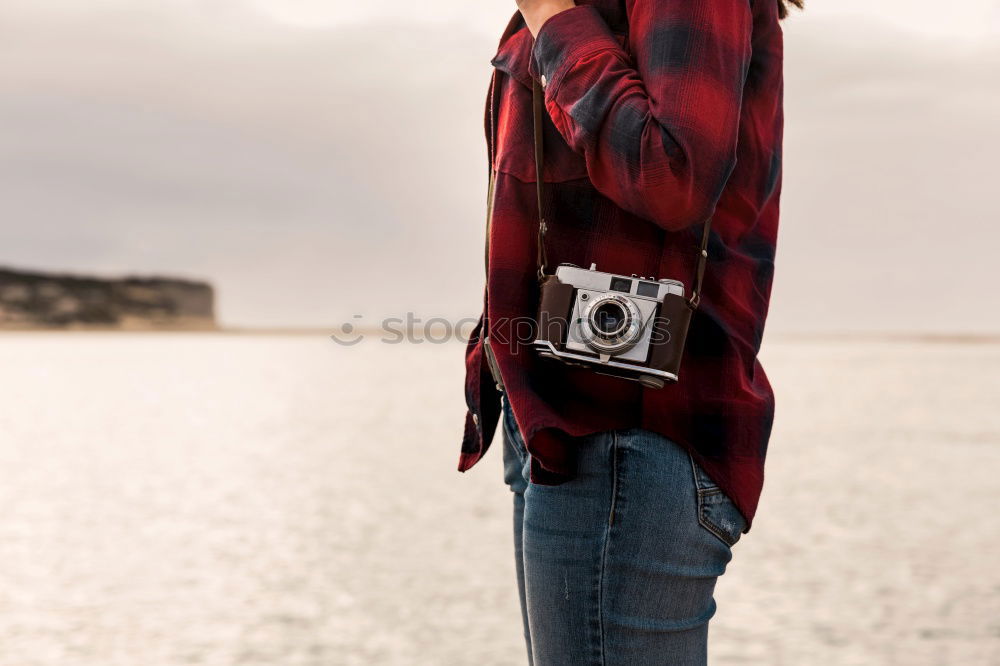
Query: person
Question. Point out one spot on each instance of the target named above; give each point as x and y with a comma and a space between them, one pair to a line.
659, 117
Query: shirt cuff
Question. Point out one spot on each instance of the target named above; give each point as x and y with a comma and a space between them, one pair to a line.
565, 39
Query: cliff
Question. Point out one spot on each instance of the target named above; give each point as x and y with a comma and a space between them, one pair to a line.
43, 300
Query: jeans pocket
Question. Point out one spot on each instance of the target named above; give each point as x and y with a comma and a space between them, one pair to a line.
716, 511
510, 430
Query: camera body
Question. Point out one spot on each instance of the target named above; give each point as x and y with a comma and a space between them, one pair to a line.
626, 326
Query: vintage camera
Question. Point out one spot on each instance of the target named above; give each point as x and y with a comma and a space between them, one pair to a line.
626, 326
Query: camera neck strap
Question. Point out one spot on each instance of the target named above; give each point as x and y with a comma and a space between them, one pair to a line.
538, 108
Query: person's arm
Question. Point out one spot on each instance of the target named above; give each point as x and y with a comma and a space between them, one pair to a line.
658, 129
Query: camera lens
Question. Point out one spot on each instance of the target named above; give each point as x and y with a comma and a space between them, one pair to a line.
609, 319
611, 323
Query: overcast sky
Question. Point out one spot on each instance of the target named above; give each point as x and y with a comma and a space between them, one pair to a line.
317, 159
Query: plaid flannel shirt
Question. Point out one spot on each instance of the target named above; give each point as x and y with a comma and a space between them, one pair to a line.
661, 114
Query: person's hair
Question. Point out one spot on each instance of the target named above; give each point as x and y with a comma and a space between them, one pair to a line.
783, 6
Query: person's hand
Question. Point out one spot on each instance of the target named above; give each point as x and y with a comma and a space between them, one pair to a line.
537, 12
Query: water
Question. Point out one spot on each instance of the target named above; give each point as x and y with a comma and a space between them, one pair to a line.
175, 499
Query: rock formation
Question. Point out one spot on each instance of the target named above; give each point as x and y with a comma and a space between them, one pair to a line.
43, 300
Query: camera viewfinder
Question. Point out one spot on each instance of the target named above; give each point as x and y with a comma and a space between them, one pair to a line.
621, 284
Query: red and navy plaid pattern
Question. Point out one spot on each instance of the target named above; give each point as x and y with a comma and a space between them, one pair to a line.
660, 114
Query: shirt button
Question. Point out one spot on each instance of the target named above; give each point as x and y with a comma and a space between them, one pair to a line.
544, 81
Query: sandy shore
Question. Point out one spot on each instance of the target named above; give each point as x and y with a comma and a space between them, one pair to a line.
280, 500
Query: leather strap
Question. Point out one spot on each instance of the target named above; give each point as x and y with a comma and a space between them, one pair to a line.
700, 271
538, 104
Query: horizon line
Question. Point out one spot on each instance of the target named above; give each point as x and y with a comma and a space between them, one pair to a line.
938, 337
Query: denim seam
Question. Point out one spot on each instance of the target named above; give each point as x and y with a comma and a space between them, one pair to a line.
607, 544
614, 477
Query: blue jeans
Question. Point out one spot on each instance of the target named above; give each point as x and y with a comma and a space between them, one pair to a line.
618, 566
